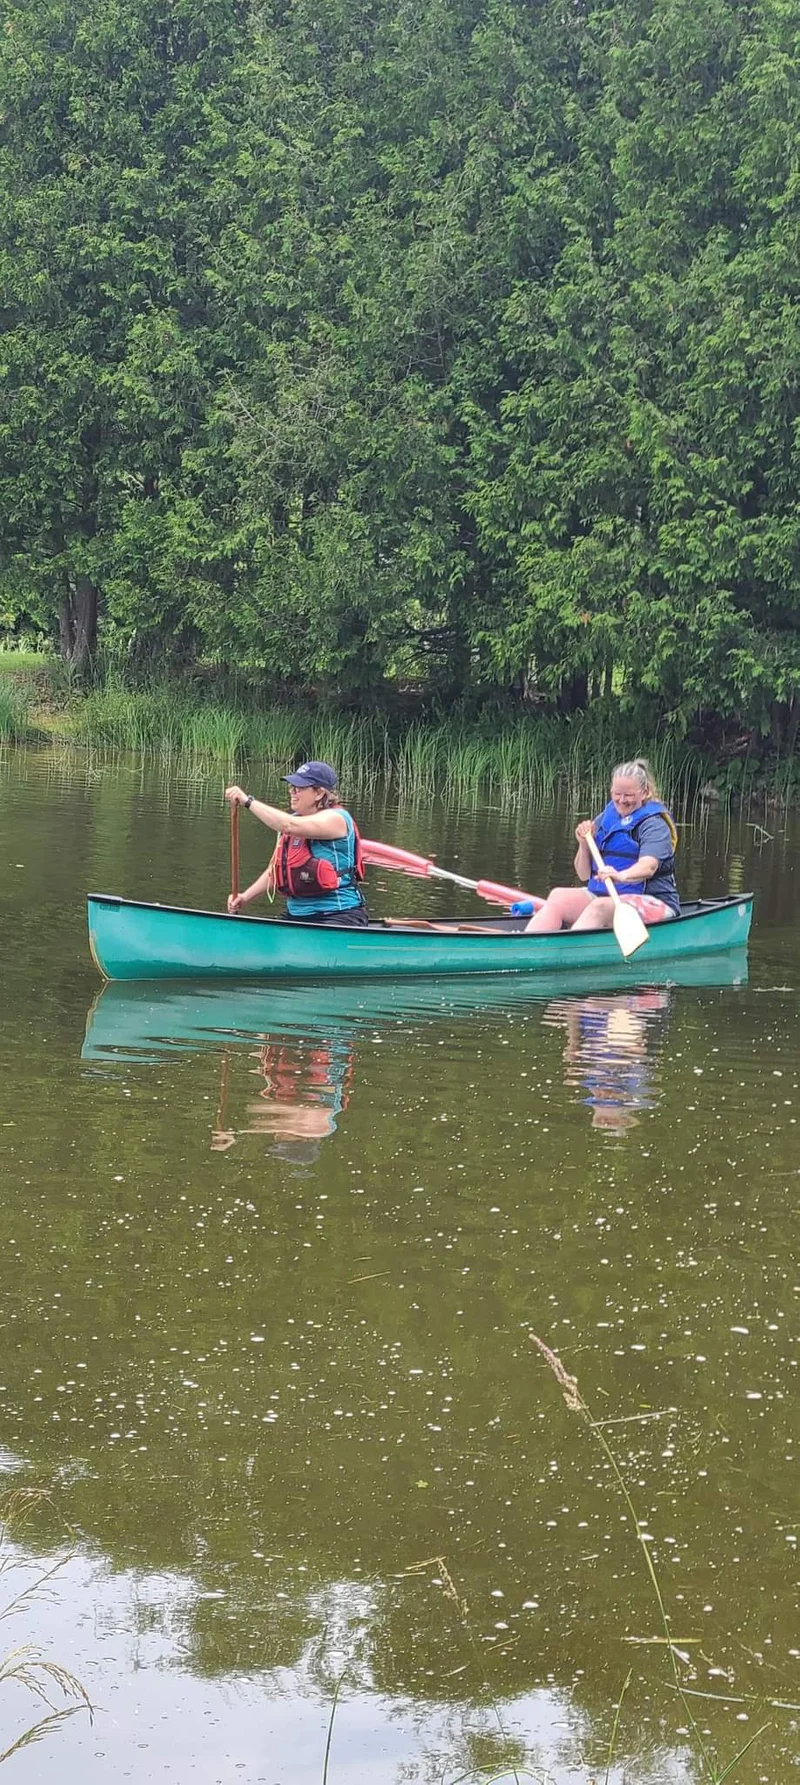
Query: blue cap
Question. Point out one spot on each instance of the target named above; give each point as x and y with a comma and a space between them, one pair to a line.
313, 774
523, 908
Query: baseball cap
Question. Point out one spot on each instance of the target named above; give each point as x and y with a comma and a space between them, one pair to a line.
313, 774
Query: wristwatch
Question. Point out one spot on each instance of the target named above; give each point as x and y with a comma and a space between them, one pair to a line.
248, 800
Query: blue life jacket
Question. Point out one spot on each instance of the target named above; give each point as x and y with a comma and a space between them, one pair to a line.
618, 842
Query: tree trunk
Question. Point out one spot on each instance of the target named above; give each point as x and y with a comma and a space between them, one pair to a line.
573, 695
458, 665
84, 607
77, 622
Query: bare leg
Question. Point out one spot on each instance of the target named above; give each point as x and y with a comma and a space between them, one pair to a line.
597, 915
562, 906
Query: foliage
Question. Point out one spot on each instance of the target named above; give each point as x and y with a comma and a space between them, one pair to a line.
446, 345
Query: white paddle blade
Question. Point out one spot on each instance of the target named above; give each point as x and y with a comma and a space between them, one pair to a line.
629, 928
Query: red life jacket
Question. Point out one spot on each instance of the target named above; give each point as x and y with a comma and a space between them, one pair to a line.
301, 870
293, 1077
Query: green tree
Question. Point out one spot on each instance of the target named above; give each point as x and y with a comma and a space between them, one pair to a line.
117, 166
452, 343
645, 498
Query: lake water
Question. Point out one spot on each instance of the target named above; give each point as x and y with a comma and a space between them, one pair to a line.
270, 1264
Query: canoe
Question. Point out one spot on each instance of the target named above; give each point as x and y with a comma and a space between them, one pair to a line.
130, 939
146, 1021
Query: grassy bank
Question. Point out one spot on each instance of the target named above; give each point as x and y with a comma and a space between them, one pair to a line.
515, 759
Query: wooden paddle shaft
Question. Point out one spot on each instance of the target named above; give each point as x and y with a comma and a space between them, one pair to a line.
235, 850
629, 928
601, 867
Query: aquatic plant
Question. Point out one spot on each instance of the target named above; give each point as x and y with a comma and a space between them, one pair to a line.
575, 1403
15, 717
514, 759
525, 761
26, 1665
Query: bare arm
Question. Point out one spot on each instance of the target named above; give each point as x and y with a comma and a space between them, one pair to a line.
318, 824
259, 886
644, 869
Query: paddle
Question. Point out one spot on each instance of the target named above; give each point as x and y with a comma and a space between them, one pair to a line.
384, 855
442, 929
630, 931
235, 850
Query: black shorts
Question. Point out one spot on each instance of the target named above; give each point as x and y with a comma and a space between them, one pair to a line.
356, 919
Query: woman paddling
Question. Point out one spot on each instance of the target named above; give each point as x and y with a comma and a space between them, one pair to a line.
317, 859
637, 839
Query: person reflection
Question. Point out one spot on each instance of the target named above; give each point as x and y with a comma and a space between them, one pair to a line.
304, 1089
611, 1049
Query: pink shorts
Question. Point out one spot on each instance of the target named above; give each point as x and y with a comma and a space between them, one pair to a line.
652, 910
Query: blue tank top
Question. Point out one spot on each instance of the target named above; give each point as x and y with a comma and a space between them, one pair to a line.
341, 853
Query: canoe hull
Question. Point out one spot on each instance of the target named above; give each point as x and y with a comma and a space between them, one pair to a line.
131, 940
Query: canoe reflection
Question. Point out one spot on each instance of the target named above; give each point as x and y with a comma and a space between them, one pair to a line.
303, 1038
611, 1052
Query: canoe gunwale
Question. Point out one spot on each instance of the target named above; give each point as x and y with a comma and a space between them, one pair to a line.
512, 928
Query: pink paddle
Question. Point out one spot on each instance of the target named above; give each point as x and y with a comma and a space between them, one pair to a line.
384, 855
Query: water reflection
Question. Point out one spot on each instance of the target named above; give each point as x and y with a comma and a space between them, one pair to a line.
306, 1039
611, 1052
305, 1087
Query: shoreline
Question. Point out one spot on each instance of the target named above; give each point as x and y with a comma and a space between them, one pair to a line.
513, 757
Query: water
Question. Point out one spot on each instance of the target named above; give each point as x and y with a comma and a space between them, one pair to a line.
270, 1261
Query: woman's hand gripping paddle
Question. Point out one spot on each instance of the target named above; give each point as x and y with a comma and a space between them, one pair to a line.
630, 930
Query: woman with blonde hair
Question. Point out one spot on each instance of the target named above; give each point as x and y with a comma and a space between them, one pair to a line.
637, 839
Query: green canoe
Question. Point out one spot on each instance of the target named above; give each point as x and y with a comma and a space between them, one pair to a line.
133, 940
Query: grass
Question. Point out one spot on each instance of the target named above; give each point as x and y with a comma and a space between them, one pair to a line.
16, 721
525, 761
533, 761
514, 760
21, 662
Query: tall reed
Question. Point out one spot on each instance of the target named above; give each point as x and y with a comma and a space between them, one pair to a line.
524, 761
26, 1666
15, 715
517, 760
